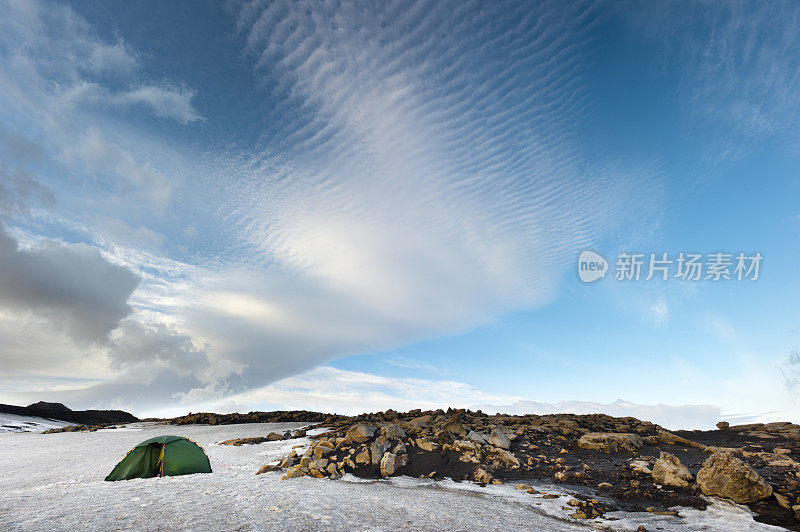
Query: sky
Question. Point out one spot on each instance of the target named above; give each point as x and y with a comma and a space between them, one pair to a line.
351, 206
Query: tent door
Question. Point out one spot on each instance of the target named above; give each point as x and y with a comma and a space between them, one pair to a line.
159, 468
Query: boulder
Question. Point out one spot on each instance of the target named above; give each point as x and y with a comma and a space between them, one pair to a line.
498, 438
669, 471
723, 425
724, 475
391, 462
393, 432
610, 442
362, 457
377, 448
360, 433
476, 437
454, 426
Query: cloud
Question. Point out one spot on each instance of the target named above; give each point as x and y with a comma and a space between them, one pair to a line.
686, 417
659, 312
737, 60
791, 371
328, 389
18, 189
411, 187
54, 62
98, 155
71, 285
164, 102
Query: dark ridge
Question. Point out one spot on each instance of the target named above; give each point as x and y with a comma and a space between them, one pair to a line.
59, 412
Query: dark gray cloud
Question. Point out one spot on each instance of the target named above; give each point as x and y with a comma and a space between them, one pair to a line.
72, 285
155, 344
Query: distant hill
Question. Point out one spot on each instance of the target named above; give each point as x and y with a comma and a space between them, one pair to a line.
62, 413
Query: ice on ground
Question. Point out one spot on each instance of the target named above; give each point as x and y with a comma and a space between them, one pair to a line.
15, 423
55, 482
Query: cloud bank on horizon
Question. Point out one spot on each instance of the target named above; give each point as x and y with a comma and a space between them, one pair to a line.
186, 227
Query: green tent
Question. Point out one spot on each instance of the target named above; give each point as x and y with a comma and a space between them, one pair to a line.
162, 456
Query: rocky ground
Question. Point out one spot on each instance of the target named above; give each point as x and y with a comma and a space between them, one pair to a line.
618, 463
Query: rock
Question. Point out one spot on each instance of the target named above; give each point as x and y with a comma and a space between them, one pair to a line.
274, 436
669, 471
724, 475
363, 457
503, 458
288, 461
476, 437
420, 422
641, 466
783, 502
560, 476
610, 442
388, 464
393, 432
498, 438
723, 425
454, 426
464, 445
796, 509
321, 450
483, 476
360, 433
604, 486
426, 445
267, 468
669, 438
294, 472
377, 448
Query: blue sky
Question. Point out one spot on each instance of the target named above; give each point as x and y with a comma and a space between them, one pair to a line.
354, 206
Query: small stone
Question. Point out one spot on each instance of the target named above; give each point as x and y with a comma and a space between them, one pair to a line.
268, 468
604, 486
426, 445
783, 502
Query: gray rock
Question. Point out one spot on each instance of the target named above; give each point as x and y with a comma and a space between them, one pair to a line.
498, 438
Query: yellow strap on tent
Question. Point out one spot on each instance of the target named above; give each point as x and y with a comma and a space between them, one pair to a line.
160, 462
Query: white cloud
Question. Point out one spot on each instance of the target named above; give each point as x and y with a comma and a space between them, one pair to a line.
98, 155
684, 417
327, 389
659, 312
